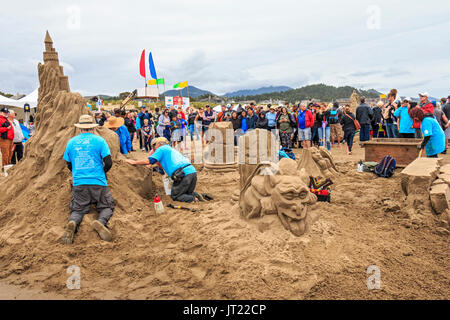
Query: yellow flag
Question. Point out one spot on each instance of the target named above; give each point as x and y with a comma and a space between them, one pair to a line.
382, 96
151, 82
183, 84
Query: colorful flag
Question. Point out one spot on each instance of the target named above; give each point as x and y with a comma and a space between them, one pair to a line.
151, 66
382, 96
153, 82
176, 86
183, 84
142, 64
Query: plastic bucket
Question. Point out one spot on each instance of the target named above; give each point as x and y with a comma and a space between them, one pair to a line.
167, 182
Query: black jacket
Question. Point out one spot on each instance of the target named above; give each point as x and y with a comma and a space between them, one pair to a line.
364, 114
347, 123
237, 123
262, 123
376, 115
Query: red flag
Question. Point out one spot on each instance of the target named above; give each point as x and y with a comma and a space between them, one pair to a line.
142, 64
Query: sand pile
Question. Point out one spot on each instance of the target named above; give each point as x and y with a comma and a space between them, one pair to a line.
36, 194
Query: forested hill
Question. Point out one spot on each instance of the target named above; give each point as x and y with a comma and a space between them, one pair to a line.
317, 91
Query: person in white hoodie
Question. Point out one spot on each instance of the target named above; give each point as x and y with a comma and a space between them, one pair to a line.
18, 138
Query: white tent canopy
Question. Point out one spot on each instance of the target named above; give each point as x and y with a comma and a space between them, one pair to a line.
31, 99
5, 100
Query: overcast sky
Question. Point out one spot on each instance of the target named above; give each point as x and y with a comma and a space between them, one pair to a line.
224, 46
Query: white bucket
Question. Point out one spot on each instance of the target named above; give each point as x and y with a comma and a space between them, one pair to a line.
167, 185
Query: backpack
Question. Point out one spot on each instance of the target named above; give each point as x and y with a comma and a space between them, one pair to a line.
333, 117
385, 168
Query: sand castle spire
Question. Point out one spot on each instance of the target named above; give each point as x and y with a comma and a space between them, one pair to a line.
51, 58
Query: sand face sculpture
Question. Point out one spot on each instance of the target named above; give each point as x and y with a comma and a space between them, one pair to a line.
219, 155
283, 192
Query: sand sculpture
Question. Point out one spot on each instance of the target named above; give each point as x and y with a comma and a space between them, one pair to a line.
255, 147
285, 193
354, 101
317, 163
37, 189
219, 155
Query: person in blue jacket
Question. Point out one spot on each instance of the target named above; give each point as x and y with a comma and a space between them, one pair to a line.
405, 128
433, 135
117, 125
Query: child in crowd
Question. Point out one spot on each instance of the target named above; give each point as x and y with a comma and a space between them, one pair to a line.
147, 132
175, 129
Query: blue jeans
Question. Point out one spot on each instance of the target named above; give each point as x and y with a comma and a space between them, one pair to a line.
364, 132
192, 127
392, 131
326, 138
348, 136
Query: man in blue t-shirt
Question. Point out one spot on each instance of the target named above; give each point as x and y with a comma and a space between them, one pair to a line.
88, 157
176, 166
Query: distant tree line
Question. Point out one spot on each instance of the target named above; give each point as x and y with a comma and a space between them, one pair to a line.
317, 91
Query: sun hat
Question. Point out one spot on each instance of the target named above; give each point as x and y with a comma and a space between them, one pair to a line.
160, 140
423, 94
86, 122
407, 99
114, 122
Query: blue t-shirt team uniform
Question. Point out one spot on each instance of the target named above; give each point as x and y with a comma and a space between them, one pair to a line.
86, 152
436, 144
171, 160
405, 120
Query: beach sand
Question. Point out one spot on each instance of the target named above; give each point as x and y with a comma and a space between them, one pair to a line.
214, 254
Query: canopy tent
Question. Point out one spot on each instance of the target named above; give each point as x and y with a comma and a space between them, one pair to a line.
31, 99
6, 101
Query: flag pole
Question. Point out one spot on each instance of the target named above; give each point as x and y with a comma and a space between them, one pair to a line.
187, 90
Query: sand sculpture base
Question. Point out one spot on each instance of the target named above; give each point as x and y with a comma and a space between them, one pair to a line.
317, 163
220, 154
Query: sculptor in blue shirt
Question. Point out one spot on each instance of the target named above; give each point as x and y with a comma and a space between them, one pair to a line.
174, 165
88, 157
433, 135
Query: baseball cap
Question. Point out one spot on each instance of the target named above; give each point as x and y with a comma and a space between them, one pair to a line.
4, 110
407, 99
423, 94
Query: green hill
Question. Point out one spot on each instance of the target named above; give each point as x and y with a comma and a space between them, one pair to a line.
316, 91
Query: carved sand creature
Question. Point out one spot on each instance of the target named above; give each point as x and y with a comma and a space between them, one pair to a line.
285, 193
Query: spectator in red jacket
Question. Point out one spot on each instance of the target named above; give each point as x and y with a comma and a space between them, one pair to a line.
6, 137
425, 104
305, 121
